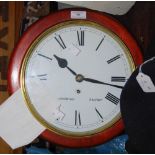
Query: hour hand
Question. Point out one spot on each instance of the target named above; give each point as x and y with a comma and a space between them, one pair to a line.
64, 64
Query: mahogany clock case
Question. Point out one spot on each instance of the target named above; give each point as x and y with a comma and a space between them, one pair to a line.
42, 25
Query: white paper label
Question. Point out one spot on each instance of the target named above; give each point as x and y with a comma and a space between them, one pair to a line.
17, 125
145, 82
78, 15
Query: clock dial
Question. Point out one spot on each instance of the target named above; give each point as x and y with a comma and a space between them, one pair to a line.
73, 75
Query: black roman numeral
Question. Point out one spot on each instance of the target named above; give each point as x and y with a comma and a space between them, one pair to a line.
60, 41
80, 36
77, 118
112, 98
118, 79
113, 59
42, 76
98, 113
44, 56
100, 43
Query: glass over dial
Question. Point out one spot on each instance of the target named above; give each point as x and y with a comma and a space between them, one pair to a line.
73, 75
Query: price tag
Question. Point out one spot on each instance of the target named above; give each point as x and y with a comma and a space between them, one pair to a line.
145, 82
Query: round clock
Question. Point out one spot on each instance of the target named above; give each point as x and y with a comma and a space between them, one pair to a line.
71, 67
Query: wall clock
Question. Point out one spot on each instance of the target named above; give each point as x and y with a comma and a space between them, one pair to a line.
72, 66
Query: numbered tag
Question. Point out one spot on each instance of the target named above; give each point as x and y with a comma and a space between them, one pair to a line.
145, 83
78, 14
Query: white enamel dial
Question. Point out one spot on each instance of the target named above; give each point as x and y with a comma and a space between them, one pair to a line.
73, 78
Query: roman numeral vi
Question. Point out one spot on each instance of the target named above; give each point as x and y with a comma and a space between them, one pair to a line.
77, 118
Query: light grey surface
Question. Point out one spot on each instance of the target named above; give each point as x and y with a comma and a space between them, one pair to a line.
112, 7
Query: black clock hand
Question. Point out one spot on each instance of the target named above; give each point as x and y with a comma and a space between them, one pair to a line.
79, 78
99, 82
64, 64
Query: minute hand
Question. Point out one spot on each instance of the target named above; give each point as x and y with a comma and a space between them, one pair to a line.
99, 82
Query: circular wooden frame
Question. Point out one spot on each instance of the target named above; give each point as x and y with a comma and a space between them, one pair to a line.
39, 27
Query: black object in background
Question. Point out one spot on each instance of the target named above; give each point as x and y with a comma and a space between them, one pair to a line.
138, 110
150, 50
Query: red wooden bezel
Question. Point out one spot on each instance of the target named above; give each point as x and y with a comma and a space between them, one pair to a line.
40, 26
